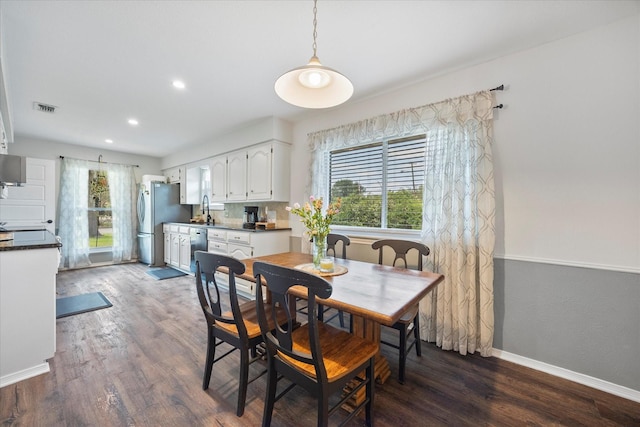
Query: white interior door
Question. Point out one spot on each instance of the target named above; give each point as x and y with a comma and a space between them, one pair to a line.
33, 205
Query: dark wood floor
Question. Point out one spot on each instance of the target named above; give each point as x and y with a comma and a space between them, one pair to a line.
140, 363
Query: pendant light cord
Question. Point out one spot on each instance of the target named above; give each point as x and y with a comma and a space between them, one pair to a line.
315, 24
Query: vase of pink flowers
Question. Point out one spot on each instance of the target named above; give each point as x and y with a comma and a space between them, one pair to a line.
317, 224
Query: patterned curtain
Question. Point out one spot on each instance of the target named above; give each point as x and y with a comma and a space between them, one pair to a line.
458, 226
458, 209
122, 186
73, 226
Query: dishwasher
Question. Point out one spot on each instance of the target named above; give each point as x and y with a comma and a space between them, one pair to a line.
198, 243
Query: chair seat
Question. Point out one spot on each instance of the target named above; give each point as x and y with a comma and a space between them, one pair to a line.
250, 317
341, 351
409, 315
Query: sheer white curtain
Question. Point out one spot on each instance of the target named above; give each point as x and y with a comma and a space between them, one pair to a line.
458, 225
458, 209
122, 188
73, 221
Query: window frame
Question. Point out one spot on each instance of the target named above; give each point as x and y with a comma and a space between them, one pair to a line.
378, 232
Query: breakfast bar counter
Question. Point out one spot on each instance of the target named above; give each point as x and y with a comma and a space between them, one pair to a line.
28, 268
27, 239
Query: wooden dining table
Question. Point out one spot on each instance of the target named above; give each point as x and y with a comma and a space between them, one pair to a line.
373, 294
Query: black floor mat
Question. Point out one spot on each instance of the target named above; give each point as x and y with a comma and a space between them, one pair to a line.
164, 273
68, 306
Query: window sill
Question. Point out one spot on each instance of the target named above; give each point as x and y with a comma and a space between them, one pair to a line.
100, 250
376, 233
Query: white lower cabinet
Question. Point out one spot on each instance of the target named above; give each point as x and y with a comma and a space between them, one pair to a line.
240, 251
177, 246
185, 251
167, 244
242, 245
174, 257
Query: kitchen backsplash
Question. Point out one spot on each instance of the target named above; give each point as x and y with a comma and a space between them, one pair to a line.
233, 213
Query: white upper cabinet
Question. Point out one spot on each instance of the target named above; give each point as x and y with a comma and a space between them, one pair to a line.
198, 183
237, 176
268, 172
174, 175
257, 173
219, 179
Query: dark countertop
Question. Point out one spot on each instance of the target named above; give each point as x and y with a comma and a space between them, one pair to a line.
33, 239
226, 227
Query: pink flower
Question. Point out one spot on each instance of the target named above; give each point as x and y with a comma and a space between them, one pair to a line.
311, 198
288, 208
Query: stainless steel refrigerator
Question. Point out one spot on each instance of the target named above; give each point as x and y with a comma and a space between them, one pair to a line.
157, 203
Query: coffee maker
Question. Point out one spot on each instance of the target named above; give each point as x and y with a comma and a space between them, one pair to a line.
250, 217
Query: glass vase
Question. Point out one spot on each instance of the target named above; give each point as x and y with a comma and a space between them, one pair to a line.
319, 250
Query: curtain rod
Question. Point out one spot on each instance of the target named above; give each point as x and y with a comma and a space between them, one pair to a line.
501, 87
101, 162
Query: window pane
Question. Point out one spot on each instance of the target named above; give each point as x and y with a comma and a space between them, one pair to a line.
405, 176
99, 207
356, 175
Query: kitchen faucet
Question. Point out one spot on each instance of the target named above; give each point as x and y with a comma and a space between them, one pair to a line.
205, 197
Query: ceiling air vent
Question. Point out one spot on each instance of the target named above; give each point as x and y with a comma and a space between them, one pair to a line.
45, 108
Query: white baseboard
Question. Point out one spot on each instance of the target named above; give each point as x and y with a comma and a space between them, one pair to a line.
24, 374
596, 383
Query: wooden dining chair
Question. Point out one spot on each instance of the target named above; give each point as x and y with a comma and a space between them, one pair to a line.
409, 322
332, 241
238, 327
316, 356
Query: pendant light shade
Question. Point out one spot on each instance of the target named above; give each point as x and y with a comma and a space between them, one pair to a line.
314, 85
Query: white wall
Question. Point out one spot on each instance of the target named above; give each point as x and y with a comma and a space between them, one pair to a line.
42, 149
566, 145
262, 130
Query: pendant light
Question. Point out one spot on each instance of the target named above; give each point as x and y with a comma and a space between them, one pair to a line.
314, 85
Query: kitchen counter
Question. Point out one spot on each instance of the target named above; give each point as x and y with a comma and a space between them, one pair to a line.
228, 227
31, 239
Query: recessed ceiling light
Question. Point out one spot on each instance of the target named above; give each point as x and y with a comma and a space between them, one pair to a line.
178, 84
109, 141
133, 122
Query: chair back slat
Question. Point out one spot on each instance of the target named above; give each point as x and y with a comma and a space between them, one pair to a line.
279, 280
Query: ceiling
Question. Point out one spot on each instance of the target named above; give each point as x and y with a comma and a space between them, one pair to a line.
103, 62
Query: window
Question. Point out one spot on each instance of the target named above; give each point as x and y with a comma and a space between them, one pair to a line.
99, 207
380, 184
